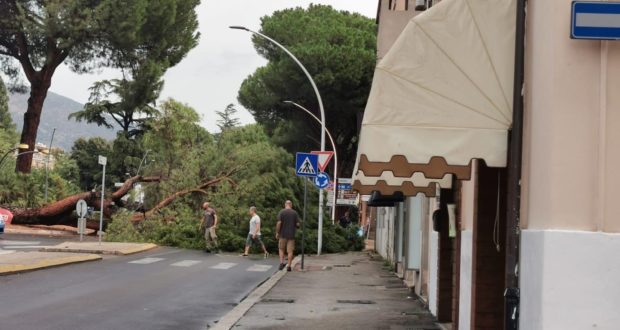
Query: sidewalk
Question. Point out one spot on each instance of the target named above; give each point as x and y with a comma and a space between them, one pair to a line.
338, 291
110, 248
18, 262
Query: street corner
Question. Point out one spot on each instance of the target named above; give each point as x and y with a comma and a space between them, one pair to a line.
107, 248
19, 262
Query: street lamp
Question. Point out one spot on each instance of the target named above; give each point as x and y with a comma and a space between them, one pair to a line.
318, 96
331, 139
21, 146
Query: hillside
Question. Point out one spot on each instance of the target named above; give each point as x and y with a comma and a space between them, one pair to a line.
55, 113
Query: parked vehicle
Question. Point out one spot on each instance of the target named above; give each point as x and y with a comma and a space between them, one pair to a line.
5, 218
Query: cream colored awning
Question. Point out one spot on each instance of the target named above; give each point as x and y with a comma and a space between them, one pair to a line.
442, 95
388, 184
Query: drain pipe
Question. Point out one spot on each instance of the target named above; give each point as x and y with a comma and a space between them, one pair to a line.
511, 294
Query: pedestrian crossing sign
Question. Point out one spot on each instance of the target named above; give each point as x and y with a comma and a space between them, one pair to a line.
307, 164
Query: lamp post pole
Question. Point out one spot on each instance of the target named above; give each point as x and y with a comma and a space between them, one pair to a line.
331, 139
318, 96
47, 160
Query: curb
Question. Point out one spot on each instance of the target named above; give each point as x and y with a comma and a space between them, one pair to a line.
48, 263
122, 252
231, 318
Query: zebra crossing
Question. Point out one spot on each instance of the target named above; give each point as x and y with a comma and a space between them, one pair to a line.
191, 263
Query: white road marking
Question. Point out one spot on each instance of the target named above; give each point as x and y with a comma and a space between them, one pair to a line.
145, 261
186, 263
28, 246
259, 268
10, 242
224, 265
6, 251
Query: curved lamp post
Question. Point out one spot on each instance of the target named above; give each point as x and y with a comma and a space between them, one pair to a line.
318, 96
22, 153
331, 139
21, 146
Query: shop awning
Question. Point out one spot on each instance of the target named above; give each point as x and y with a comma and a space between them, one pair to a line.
442, 95
388, 184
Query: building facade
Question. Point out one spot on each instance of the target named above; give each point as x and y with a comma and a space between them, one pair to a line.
446, 235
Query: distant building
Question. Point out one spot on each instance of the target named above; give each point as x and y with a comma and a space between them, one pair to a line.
43, 156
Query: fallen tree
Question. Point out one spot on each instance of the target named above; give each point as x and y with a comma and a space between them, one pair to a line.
60, 212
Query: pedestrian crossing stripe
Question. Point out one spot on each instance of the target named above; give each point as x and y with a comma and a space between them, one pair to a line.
306, 167
259, 268
186, 263
145, 261
224, 265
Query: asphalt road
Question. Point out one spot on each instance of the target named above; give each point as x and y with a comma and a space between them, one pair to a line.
165, 288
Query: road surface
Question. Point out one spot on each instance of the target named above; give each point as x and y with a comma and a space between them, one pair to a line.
165, 288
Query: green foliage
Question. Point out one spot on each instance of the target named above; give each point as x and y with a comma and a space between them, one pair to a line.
133, 107
8, 136
339, 50
85, 154
186, 155
228, 118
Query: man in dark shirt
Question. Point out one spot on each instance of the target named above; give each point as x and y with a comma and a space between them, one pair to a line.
209, 223
288, 222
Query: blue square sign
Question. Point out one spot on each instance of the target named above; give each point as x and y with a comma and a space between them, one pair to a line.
595, 20
307, 164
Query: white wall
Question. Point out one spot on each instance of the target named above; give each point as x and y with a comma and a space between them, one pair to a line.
433, 271
569, 280
465, 280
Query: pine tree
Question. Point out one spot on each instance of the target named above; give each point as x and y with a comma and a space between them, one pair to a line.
228, 118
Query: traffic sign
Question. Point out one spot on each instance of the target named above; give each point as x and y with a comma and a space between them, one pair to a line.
103, 160
595, 20
324, 158
321, 181
306, 164
81, 208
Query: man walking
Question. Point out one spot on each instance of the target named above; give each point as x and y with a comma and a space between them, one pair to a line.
209, 223
288, 222
254, 235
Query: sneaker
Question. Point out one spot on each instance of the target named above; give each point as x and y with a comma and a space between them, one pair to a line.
266, 255
243, 255
281, 266
288, 269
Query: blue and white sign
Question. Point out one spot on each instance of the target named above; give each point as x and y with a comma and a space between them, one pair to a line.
307, 164
321, 181
595, 20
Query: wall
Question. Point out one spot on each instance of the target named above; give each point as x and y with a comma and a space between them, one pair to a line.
468, 210
572, 126
563, 286
391, 24
570, 214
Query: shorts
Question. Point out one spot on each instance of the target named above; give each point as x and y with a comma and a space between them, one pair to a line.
287, 244
250, 241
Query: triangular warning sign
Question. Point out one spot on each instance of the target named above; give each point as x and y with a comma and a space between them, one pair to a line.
324, 158
306, 167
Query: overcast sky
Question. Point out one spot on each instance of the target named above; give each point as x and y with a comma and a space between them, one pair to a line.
210, 76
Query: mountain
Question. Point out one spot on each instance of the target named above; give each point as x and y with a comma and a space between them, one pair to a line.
56, 110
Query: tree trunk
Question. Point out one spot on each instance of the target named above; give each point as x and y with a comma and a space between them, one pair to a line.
32, 117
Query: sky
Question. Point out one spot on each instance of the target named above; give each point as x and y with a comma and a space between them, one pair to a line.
209, 77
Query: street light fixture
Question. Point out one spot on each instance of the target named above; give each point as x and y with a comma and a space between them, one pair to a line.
331, 139
320, 101
21, 146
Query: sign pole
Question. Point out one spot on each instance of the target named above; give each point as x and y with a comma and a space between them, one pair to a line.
102, 161
303, 224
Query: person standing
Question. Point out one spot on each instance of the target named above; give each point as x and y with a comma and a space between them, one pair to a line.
254, 235
288, 222
209, 223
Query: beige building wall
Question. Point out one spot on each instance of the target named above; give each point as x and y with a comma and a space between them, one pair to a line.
392, 21
572, 128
